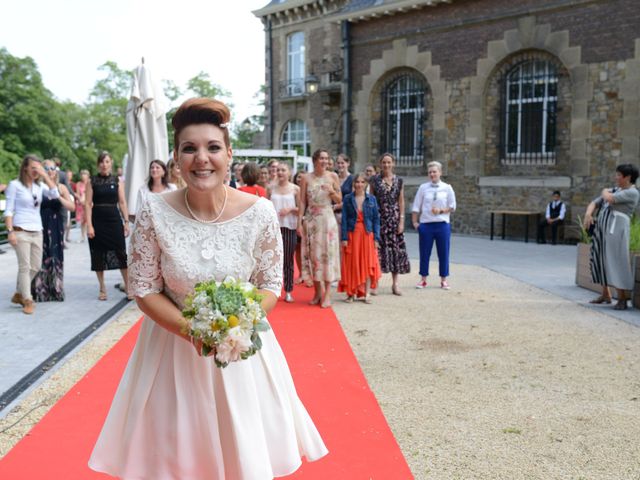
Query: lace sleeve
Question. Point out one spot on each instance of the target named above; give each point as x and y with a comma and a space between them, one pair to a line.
268, 253
145, 275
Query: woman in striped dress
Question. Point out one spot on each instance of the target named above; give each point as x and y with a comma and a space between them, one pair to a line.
286, 200
610, 262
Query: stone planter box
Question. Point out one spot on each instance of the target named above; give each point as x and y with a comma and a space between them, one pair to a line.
635, 296
583, 274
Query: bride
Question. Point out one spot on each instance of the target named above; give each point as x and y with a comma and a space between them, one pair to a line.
176, 415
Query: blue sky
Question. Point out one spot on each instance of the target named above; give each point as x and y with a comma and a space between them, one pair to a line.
70, 39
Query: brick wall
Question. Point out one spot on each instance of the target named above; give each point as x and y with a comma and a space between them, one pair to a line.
600, 86
457, 33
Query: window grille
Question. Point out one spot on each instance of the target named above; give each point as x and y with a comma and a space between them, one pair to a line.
529, 114
295, 136
295, 65
403, 119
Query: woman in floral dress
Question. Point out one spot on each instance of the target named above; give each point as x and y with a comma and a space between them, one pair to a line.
389, 192
320, 237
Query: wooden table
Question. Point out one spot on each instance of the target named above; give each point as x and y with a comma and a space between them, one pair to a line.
523, 213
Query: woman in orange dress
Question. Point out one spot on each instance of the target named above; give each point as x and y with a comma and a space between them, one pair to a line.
360, 238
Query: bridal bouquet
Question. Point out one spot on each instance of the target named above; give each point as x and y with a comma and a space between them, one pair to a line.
227, 317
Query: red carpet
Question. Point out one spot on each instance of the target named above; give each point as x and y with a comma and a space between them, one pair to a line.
327, 376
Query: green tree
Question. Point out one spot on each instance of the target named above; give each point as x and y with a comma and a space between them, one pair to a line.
31, 119
202, 86
243, 133
103, 121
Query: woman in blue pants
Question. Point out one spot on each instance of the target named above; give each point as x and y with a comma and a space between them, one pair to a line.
431, 214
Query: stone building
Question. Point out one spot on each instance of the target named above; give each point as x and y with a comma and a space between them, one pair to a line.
516, 98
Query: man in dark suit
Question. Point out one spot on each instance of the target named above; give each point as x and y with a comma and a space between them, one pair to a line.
553, 217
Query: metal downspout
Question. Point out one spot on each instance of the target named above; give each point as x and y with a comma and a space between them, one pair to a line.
270, 80
346, 80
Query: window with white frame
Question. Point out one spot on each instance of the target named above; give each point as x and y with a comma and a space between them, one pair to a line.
295, 136
403, 101
295, 64
530, 100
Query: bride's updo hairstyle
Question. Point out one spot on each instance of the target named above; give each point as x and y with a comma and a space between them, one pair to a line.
197, 111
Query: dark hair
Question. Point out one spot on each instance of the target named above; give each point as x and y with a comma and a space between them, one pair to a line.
24, 167
250, 173
316, 154
298, 174
556, 192
165, 176
198, 111
628, 170
102, 155
387, 154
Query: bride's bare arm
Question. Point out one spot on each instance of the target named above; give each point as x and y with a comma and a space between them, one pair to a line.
165, 313
269, 301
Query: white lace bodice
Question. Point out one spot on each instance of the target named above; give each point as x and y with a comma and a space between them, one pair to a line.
170, 253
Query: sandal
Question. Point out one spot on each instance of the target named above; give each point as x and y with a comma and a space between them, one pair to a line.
314, 301
367, 299
621, 305
600, 299
349, 299
396, 291
102, 296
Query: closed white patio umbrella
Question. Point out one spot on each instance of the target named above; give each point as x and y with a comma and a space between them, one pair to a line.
146, 131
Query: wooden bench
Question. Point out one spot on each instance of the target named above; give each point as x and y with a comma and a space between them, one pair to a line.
522, 213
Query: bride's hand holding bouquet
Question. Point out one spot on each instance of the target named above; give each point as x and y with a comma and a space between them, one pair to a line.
225, 319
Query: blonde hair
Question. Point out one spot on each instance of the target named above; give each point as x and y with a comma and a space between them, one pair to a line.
438, 165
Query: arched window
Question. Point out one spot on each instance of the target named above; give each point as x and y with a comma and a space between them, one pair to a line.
530, 106
295, 136
295, 64
403, 117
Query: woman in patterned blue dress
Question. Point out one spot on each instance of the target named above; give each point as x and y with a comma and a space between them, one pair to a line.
48, 285
389, 192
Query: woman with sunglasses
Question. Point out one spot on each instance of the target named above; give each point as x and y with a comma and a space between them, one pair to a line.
24, 224
48, 284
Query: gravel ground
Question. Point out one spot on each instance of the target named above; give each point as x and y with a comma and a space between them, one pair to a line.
496, 379
493, 379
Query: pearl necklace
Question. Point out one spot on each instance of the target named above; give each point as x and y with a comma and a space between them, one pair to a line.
224, 204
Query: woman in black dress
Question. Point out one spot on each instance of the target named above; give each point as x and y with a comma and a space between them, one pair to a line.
389, 192
106, 213
48, 285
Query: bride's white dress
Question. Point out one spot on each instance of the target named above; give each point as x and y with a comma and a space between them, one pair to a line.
176, 416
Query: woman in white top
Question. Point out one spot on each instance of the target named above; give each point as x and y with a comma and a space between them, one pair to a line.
24, 224
286, 200
430, 215
157, 182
